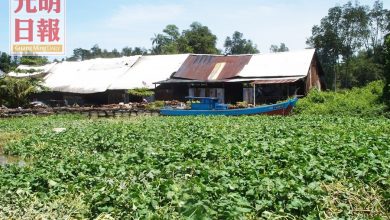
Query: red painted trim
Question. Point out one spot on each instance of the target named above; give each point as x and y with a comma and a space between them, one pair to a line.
284, 112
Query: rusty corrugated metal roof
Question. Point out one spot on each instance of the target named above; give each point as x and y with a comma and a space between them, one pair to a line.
280, 80
212, 67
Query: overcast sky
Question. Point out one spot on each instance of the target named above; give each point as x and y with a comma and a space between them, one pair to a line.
120, 23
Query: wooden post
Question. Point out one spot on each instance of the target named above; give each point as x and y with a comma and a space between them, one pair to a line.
254, 94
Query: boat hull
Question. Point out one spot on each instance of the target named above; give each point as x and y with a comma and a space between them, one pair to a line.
284, 108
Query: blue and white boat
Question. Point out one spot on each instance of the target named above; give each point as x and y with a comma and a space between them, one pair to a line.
210, 106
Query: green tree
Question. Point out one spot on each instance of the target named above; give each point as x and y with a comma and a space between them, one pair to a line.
115, 53
139, 51
354, 29
127, 51
105, 53
281, 48
5, 63
238, 45
96, 52
80, 54
362, 70
198, 39
386, 90
167, 42
379, 23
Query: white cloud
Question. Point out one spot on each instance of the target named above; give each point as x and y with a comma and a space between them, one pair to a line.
130, 15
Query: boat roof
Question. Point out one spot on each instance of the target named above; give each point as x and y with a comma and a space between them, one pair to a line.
194, 97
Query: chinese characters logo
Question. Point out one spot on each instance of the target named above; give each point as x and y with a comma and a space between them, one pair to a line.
37, 27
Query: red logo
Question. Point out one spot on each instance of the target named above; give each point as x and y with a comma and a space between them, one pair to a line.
37, 26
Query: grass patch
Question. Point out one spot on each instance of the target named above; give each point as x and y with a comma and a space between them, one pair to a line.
30, 206
359, 201
6, 137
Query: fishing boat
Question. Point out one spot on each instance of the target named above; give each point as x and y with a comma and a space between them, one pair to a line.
209, 106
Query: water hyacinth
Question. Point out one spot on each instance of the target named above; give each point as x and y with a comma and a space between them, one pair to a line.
303, 166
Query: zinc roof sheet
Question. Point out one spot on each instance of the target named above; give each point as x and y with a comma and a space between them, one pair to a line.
149, 69
295, 63
90, 76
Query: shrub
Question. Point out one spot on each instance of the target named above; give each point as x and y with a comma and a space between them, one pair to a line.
364, 101
141, 92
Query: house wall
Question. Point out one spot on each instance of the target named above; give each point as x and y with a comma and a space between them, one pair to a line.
62, 99
314, 78
50, 98
271, 93
174, 91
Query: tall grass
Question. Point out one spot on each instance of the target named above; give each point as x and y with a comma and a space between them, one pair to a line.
365, 101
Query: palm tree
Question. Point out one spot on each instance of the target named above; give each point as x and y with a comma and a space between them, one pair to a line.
14, 92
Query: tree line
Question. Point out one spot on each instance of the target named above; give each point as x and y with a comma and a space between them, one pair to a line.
197, 39
349, 43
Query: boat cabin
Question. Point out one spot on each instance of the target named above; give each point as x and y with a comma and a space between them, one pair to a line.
206, 103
